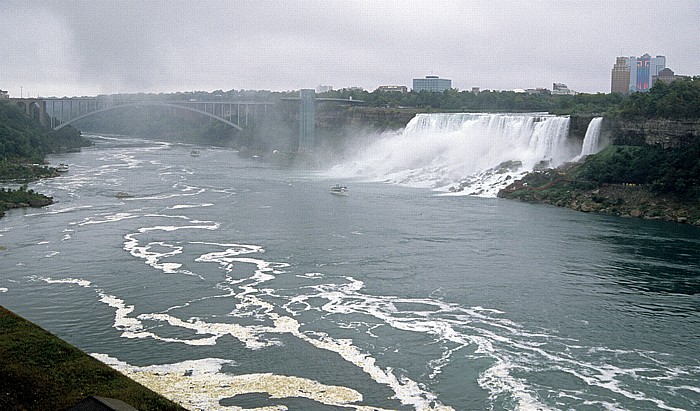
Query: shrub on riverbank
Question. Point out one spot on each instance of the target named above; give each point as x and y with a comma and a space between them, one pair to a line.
21, 197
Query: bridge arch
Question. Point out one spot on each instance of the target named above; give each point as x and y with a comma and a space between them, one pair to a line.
33, 108
148, 103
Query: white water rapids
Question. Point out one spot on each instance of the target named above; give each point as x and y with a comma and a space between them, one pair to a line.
467, 153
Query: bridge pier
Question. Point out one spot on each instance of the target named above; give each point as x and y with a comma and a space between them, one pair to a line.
34, 108
307, 121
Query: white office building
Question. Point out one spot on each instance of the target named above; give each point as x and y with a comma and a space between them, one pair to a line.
431, 83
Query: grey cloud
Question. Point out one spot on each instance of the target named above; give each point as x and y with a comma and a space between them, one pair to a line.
112, 46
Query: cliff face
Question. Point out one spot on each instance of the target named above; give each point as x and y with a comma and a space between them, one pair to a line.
654, 132
578, 125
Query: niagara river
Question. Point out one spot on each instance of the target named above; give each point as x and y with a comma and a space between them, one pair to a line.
226, 283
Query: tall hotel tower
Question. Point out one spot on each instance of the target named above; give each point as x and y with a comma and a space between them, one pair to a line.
620, 77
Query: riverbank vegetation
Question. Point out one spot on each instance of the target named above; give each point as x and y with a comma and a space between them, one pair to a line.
636, 181
23, 145
21, 197
39, 371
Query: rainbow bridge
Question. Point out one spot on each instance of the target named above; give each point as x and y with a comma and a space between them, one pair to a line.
57, 113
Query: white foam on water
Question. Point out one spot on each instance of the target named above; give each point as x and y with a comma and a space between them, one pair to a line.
153, 258
111, 218
512, 349
226, 258
407, 391
181, 206
65, 210
200, 384
186, 192
76, 281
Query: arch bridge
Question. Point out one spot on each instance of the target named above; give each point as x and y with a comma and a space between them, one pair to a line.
57, 113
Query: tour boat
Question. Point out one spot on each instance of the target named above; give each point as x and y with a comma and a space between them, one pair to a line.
339, 190
62, 168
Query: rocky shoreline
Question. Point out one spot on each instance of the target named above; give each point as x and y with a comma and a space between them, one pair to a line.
557, 187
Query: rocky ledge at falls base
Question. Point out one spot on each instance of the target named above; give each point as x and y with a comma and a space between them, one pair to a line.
556, 187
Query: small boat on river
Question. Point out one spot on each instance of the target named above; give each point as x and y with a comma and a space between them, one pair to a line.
339, 190
62, 168
194, 153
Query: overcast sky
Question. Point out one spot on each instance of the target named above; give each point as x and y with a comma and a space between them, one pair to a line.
67, 48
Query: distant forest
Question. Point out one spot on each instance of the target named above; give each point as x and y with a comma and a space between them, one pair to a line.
680, 99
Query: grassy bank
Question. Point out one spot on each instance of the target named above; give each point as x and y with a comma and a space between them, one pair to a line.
39, 371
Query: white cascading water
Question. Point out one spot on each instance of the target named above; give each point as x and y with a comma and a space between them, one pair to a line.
462, 153
591, 142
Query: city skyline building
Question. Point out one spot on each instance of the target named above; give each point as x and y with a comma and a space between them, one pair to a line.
620, 78
668, 76
562, 89
431, 83
642, 71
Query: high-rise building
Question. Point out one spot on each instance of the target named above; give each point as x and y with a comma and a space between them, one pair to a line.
642, 71
431, 83
620, 82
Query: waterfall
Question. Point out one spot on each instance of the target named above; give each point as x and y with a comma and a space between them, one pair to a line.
463, 153
591, 142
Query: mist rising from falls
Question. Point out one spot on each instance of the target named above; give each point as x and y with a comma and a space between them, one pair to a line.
463, 153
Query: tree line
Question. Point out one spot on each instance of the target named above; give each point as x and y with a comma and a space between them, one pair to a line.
24, 140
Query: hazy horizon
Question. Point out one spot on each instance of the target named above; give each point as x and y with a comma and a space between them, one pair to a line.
76, 48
